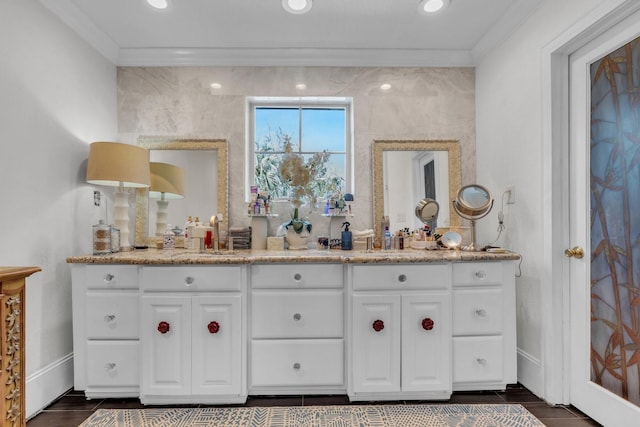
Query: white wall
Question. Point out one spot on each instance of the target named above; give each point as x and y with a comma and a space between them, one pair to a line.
58, 95
509, 152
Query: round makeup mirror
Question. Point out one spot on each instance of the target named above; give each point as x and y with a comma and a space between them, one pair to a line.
427, 212
473, 202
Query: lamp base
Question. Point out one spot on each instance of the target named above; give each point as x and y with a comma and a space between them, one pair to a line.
121, 218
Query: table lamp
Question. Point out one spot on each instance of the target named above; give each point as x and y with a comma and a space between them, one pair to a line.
119, 165
167, 183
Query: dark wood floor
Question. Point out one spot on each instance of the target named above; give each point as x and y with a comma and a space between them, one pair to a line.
73, 408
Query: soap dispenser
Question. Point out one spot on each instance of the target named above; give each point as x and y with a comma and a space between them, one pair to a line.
346, 241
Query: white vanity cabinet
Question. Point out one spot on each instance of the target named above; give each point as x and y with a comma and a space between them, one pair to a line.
484, 325
105, 330
400, 332
192, 334
297, 329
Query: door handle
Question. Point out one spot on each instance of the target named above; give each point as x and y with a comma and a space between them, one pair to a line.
575, 252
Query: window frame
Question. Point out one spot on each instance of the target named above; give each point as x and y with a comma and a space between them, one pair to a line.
344, 103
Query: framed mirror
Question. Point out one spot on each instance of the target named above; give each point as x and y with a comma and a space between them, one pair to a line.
405, 172
204, 162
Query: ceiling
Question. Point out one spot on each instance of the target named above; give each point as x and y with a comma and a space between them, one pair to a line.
261, 32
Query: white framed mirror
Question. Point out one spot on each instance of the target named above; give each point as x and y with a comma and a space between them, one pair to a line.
401, 170
204, 162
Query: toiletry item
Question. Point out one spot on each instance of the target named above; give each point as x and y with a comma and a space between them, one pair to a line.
384, 225
101, 238
387, 239
207, 239
256, 208
188, 232
346, 238
168, 238
266, 206
115, 239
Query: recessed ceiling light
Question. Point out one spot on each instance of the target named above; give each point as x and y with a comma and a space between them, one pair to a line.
297, 6
158, 4
216, 86
385, 86
431, 6
301, 86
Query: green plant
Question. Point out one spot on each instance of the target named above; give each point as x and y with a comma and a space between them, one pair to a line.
298, 224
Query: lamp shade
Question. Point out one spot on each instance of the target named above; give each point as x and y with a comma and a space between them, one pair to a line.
167, 180
114, 163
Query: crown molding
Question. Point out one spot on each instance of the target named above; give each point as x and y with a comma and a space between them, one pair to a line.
295, 57
77, 20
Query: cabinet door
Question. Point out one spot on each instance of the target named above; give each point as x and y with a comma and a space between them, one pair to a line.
216, 357
376, 343
426, 344
166, 345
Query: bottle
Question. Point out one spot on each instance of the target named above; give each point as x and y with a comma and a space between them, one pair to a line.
387, 239
168, 238
187, 232
346, 242
256, 208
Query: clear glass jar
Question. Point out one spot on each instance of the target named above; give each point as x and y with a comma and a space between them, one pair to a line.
101, 238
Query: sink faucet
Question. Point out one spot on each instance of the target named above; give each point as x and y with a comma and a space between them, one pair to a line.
215, 225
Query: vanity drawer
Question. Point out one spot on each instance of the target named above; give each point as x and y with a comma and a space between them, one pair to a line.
112, 315
192, 278
302, 314
113, 363
111, 276
401, 277
478, 312
297, 276
477, 273
477, 359
297, 363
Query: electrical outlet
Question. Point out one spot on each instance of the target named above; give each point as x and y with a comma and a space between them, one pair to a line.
511, 194
96, 198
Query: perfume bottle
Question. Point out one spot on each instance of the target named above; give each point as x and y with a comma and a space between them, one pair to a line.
168, 238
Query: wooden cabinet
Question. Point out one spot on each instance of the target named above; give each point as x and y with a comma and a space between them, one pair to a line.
297, 329
484, 326
192, 335
400, 343
105, 330
12, 326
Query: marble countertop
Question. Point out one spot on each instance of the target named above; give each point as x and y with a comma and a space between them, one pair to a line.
182, 256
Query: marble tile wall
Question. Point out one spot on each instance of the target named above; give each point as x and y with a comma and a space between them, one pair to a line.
422, 104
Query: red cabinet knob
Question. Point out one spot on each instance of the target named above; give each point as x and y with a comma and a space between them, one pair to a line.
213, 327
378, 325
163, 327
427, 324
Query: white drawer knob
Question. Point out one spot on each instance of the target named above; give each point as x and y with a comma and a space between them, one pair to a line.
402, 278
110, 367
108, 277
297, 317
296, 366
481, 362
481, 312
189, 281
481, 274
110, 318
297, 277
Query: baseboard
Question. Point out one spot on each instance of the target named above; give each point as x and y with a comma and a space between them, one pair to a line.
47, 384
530, 373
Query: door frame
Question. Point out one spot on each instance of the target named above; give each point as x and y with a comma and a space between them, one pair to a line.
554, 278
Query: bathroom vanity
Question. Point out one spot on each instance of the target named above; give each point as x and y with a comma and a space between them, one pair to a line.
182, 327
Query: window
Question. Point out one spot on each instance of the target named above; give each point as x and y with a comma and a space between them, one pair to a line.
310, 126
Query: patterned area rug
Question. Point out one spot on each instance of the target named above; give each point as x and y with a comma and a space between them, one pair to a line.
507, 415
